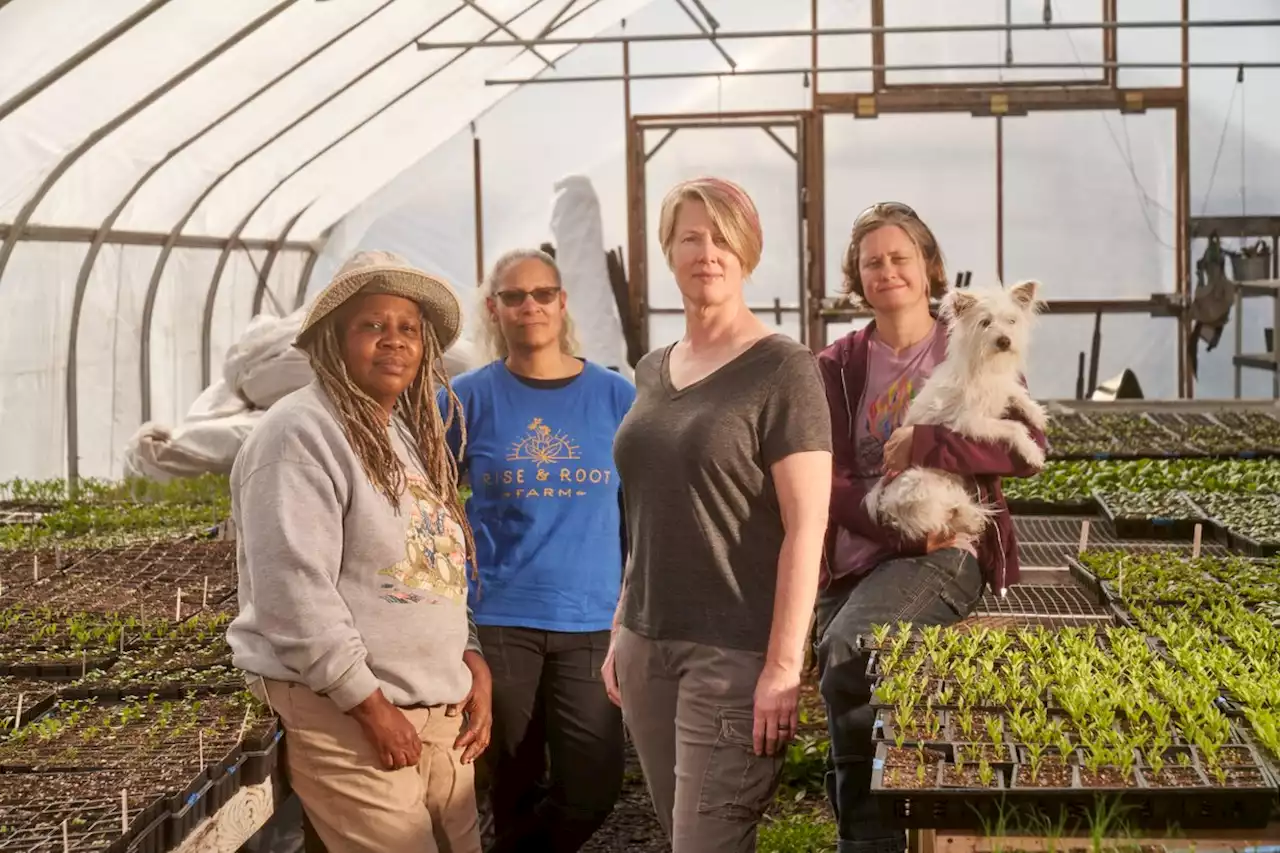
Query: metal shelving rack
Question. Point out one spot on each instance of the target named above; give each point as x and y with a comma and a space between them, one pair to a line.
1249, 227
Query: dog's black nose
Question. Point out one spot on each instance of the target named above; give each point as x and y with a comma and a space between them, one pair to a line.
1003, 342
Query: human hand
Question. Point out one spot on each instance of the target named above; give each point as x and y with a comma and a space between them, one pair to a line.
478, 708
609, 674
897, 450
394, 739
777, 699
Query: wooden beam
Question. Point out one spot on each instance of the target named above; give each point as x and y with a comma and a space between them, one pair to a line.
998, 100
1234, 226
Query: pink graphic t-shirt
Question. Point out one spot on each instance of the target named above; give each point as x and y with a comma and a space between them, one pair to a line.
893, 381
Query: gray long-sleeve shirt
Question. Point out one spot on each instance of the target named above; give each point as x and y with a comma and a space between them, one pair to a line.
337, 591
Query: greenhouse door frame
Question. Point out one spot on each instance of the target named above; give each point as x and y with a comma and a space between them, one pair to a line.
641, 149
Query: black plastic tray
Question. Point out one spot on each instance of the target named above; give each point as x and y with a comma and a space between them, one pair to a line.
1146, 807
1162, 529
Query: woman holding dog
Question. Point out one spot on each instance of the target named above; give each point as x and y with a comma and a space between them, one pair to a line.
725, 462
894, 265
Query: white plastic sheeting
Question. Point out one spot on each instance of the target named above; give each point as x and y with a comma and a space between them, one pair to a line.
577, 231
327, 110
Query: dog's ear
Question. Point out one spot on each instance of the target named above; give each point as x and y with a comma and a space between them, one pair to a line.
956, 302
1024, 293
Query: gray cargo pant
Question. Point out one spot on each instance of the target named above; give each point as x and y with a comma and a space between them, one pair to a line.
689, 709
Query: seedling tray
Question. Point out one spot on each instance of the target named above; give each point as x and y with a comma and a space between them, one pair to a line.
1146, 807
1175, 528
1035, 506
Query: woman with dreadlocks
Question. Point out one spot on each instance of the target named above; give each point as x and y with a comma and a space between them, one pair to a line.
353, 549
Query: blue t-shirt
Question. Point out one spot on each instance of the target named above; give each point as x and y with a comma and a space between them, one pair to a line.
544, 505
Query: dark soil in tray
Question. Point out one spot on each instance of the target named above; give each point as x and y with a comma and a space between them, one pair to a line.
910, 757
1051, 774
142, 581
1174, 777
1241, 777
907, 778
968, 777
1107, 777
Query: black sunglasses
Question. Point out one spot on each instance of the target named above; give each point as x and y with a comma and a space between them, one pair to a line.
516, 298
886, 207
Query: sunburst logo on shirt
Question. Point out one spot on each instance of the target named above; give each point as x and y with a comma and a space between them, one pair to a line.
542, 446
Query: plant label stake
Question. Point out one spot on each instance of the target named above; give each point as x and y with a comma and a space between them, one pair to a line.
57, 557
204, 602
1084, 535
200, 738
121, 639
66, 837
244, 724
17, 717
1195, 543
35, 567
124, 811
177, 608
84, 662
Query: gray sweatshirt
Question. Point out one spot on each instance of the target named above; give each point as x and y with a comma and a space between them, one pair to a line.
337, 591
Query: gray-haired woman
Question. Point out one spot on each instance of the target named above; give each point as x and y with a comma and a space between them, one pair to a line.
545, 508
352, 555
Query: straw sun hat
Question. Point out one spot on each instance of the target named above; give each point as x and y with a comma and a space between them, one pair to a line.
387, 272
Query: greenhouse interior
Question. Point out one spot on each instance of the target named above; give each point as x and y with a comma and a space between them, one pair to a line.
184, 179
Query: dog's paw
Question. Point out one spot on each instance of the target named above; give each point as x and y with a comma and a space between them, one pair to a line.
1035, 415
1031, 452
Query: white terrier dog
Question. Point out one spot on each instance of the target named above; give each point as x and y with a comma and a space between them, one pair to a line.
969, 392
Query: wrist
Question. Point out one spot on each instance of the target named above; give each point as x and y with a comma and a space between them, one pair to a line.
784, 665
371, 708
479, 667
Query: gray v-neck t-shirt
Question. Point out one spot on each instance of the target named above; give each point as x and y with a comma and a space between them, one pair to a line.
702, 511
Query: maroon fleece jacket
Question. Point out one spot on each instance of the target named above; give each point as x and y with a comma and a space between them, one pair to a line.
844, 366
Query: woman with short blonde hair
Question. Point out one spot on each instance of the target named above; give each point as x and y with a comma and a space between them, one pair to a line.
726, 462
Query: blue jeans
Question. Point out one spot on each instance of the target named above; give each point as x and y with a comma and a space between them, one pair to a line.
938, 589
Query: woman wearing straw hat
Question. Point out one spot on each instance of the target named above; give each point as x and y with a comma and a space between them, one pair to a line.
353, 553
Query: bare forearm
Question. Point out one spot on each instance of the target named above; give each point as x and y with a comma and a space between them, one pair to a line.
794, 595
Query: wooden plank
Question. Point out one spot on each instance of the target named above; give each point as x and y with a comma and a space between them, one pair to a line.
233, 824
1234, 226
1009, 100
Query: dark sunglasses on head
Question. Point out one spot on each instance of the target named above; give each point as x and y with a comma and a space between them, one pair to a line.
515, 298
886, 207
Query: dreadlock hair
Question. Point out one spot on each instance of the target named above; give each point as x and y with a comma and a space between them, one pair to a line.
364, 422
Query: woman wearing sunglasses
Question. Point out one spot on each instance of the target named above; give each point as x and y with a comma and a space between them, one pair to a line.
546, 513
894, 265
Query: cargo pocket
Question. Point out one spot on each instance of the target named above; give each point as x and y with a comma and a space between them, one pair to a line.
738, 785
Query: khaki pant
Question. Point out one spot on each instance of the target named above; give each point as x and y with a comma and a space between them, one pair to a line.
355, 805
689, 709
